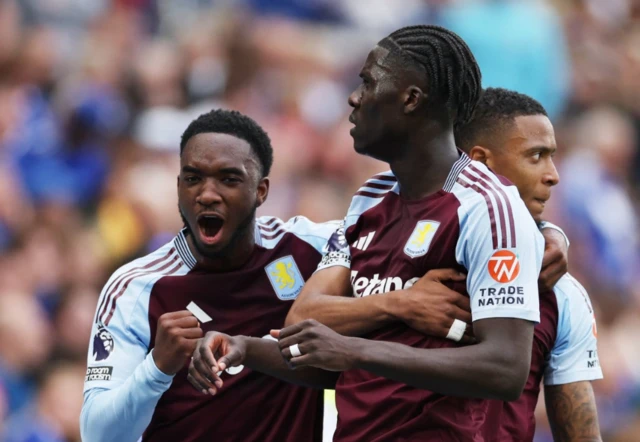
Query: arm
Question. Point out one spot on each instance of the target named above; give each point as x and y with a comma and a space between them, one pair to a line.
572, 365
120, 406
572, 412
217, 351
555, 262
123, 413
495, 368
428, 306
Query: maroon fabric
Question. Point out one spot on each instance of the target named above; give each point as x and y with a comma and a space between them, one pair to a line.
372, 408
250, 406
515, 421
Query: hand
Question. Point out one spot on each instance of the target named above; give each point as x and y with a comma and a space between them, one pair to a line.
320, 346
176, 338
430, 307
556, 258
213, 354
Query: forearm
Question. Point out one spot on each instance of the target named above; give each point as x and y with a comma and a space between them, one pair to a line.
264, 355
572, 412
348, 316
123, 413
480, 370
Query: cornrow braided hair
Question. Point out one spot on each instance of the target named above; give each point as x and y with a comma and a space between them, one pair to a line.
453, 75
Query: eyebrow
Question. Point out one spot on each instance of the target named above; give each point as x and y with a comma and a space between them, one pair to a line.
224, 170
542, 149
190, 169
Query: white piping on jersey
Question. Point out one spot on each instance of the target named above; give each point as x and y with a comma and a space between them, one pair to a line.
457, 167
181, 245
168, 263
269, 233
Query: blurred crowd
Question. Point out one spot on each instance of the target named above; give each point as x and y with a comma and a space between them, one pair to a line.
95, 94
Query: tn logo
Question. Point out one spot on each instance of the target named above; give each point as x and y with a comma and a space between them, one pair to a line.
504, 266
421, 234
284, 276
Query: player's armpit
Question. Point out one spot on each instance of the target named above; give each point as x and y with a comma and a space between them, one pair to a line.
326, 297
572, 412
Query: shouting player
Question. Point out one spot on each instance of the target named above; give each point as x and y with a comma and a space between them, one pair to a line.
239, 274
435, 209
511, 133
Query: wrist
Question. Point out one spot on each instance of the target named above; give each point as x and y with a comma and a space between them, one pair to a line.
359, 352
393, 305
159, 365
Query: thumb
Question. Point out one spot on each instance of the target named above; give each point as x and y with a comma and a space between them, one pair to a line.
231, 359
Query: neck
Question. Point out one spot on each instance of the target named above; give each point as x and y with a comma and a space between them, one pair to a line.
428, 157
233, 256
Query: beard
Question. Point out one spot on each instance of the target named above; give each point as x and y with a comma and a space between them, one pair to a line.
243, 229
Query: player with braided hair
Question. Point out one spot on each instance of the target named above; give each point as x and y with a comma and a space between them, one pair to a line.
404, 378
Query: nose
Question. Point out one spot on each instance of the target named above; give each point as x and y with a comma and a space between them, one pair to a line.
354, 98
209, 194
551, 176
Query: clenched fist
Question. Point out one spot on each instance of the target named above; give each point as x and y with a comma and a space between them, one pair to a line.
176, 339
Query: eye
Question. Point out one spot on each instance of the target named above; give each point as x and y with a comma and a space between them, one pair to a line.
231, 180
536, 156
191, 179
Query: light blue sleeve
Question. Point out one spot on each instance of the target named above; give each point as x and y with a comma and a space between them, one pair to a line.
574, 356
502, 282
122, 384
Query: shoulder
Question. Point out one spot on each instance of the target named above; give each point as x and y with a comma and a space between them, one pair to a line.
370, 194
573, 299
127, 283
575, 313
475, 185
270, 230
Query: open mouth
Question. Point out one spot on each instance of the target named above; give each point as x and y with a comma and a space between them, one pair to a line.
210, 228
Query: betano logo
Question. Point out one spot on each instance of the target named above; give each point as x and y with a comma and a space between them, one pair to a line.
504, 266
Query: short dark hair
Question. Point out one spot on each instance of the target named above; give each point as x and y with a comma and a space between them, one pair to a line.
496, 110
234, 123
453, 75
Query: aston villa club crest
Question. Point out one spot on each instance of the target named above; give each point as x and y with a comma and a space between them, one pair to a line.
103, 344
285, 278
420, 240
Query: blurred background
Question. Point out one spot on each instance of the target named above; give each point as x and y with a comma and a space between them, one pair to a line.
94, 95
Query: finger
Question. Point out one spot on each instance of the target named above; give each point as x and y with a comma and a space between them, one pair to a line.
445, 275
183, 322
462, 315
195, 384
306, 360
176, 315
468, 340
275, 333
209, 378
231, 359
190, 333
291, 340
464, 302
291, 330
551, 254
206, 347
208, 386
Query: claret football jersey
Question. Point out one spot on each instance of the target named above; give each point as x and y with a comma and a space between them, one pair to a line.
476, 223
249, 301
